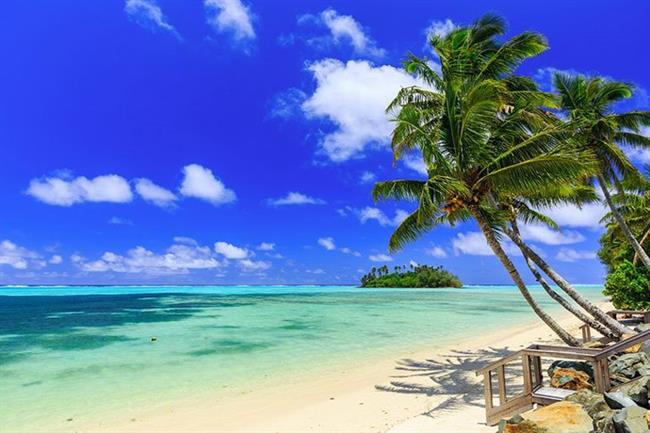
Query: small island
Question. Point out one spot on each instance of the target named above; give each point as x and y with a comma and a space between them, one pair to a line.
413, 276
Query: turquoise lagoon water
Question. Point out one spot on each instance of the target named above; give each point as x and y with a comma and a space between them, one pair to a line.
76, 352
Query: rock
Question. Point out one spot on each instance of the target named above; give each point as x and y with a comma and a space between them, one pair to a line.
596, 407
560, 417
631, 349
524, 427
568, 378
629, 366
638, 391
645, 348
618, 400
593, 344
631, 420
576, 365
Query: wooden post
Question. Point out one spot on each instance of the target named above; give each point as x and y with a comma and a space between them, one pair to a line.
646, 317
586, 333
598, 376
487, 389
501, 384
528, 388
537, 363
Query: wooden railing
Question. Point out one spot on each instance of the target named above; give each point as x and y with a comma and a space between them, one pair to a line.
529, 361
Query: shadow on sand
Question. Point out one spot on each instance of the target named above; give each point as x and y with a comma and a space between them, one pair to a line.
451, 377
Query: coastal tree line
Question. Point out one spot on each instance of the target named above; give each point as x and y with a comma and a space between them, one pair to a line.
499, 151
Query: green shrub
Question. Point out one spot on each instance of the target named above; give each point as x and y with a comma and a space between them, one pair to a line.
629, 286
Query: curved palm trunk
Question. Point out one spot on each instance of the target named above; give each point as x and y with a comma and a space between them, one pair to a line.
623, 225
516, 278
596, 312
566, 304
642, 242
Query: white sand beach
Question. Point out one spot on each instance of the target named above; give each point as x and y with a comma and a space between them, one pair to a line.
422, 391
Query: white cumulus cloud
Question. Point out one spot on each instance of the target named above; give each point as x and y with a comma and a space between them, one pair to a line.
230, 16
439, 29
60, 191
178, 258
153, 193
230, 251
199, 182
353, 96
294, 198
266, 246
18, 257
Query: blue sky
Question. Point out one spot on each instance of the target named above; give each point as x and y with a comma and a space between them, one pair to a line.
220, 141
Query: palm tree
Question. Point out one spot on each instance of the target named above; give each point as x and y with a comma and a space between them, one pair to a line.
520, 209
589, 105
480, 130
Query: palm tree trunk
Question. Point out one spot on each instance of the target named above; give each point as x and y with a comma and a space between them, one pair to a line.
642, 242
516, 278
596, 312
622, 224
566, 304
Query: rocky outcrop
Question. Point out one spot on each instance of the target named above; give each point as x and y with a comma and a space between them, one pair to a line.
628, 366
589, 412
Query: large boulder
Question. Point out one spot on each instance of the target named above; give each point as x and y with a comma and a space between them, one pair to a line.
568, 378
618, 400
560, 417
638, 391
631, 420
596, 407
575, 365
628, 366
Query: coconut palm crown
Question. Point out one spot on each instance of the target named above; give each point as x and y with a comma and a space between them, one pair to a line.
484, 133
589, 104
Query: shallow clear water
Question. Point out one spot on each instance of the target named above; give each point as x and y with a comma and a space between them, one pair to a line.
74, 352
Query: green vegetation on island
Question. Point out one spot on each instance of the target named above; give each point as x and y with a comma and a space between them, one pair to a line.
420, 276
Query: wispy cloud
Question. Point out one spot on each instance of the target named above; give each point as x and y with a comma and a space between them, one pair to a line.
372, 213
571, 255
295, 198
380, 258
343, 29
155, 194
148, 14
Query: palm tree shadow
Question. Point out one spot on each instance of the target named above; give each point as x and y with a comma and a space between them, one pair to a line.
452, 378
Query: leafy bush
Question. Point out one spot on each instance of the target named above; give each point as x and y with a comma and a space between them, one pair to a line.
629, 286
415, 276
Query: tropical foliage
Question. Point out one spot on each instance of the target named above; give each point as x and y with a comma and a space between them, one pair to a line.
420, 276
496, 151
629, 286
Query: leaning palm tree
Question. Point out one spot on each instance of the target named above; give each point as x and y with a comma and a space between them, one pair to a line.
589, 106
520, 210
481, 133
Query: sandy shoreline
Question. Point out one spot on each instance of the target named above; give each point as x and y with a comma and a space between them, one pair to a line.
395, 394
